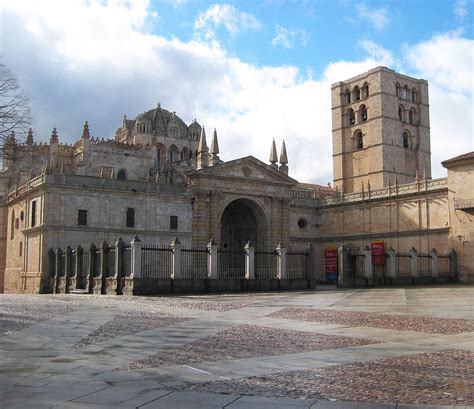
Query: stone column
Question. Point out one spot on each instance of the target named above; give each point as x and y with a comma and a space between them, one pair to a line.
176, 247
212, 259
434, 263
117, 281
99, 279
414, 262
368, 269
342, 258
281, 262
136, 250
58, 261
391, 263
249, 261
76, 279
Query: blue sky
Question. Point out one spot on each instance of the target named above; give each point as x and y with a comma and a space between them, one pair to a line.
255, 70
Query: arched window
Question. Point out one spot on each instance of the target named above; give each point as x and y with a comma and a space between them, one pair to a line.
184, 154
358, 140
365, 90
414, 95
171, 154
159, 153
406, 140
12, 226
122, 174
351, 116
356, 93
398, 90
401, 113
363, 113
347, 96
405, 92
411, 116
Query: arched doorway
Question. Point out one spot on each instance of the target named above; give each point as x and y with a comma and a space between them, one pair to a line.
242, 221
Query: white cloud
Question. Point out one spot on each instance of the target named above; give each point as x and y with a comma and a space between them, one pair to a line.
377, 17
95, 61
461, 10
286, 37
233, 20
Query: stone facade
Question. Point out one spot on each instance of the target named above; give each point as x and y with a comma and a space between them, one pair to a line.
158, 180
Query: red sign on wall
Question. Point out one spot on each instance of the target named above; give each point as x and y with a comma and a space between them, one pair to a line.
330, 264
378, 253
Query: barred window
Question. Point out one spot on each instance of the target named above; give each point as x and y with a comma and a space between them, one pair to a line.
130, 222
173, 222
82, 217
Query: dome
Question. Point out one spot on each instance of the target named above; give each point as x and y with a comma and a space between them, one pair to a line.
163, 123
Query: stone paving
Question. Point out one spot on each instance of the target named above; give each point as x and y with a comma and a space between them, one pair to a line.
331, 348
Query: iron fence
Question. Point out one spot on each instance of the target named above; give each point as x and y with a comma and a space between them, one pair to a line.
82, 274
194, 263
127, 261
230, 264
444, 266
296, 265
266, 264
403, 265
157, 262
110, 262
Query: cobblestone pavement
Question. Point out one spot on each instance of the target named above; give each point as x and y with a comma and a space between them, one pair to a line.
375, 348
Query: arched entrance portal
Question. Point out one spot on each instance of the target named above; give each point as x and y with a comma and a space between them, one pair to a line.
242, 221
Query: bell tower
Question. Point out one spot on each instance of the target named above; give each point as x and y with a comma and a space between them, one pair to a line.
380, 130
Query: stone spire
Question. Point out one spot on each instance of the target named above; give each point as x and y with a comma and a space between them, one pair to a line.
283, 159
214, 159
85, 132
29, 137
203, 151
54, 136
273, 156
11, 139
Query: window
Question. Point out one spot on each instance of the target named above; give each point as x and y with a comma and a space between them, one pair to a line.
358, 141
347, 96
130, 222
20, 250
363, 113
173, 222
158, 158
82, 217
414, 95
184, 154
12, 225
356, 93
406, 140
400, 113
302, 223
121, 174
171, 154
365, 90
22, 216
351, 115
33, 213
398, 90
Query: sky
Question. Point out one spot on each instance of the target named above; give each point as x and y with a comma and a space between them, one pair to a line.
254, 70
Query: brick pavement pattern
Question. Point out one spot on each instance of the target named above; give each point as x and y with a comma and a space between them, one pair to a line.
382, 348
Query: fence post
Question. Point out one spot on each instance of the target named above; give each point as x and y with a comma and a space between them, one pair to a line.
99, 287
453, 265
67, 274
58, 260
90, 269
414, 262
118, 278
342, 255
281, 260
310, 273
49, 281
136, 264
368, 273
391, 260
76, 280
249, 261
434, 264
212, 259
176, 247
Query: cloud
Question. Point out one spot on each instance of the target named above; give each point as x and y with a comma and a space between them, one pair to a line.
233, 20
461, 10
377, 17
287, 37
96, 61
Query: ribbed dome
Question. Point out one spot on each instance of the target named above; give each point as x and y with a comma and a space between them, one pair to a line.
163, 123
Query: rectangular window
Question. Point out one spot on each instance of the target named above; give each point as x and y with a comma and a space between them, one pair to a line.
130, 222
21, 248
173, 222
82, 217
33, 213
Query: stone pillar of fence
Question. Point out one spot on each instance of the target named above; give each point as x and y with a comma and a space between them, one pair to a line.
176, 267
434, 263
453, 265
90, 269
57, 263
115, 283
310, 268
281, 262
73, 279
212, 259
47, 284
391, 263
68, 268
368, 269
414, 262
133, 280
99, 279
249, 261
343, 260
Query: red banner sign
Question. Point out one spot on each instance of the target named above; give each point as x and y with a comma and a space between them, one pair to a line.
330, 264
378, 252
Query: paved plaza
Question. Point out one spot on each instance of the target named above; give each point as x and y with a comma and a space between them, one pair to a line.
330, 348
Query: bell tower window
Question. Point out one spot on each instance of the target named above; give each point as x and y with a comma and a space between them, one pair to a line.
358, 141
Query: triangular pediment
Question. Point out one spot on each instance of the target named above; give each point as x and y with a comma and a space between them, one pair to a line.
248, 168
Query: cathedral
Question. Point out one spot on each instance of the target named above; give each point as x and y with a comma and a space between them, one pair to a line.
160, 179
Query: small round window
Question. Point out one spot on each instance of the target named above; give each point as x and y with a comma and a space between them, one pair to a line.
302, 223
